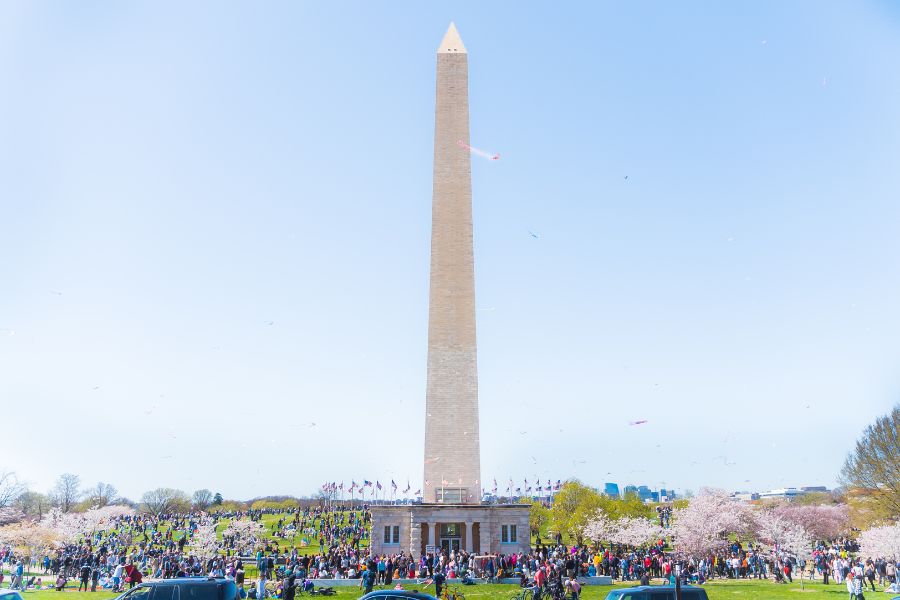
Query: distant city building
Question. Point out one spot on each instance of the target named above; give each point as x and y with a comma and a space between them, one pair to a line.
814, 488
644, 493
790, 492
745, 496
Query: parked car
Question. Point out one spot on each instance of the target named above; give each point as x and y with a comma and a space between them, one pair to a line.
657, 592
183, 588
10, 595
397, 595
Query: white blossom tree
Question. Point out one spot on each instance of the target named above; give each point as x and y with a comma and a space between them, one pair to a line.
68, 527
635, 532
29, 538
244, 532
599, 528
881, 542
204, 541
783, 535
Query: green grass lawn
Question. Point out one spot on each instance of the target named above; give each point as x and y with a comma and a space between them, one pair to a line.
716, 590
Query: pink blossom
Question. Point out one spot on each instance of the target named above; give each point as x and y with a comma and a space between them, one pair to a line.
782, 535
823, 522
707, 521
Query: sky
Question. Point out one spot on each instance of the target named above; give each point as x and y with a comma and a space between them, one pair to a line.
216, 224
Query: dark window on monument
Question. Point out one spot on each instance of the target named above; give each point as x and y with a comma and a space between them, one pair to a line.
508, 534
391, 534
454, 495
450, 530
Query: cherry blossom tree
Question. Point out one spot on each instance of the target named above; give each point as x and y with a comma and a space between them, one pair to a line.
244, 532
10, 514
28, 538
630, 531
204, 541
68, 527
824, 522
706, 522
599, 528
635, 531
881, 542
781, 534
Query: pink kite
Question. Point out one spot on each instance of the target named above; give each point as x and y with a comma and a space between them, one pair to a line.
480, 153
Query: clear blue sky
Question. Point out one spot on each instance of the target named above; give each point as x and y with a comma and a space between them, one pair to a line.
175, 176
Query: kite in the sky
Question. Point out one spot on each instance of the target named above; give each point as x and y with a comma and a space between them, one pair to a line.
480, 153
641, 422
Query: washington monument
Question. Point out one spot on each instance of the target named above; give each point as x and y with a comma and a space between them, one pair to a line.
451, 516
452, 454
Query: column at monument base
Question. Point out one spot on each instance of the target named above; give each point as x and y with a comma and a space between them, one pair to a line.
422, 529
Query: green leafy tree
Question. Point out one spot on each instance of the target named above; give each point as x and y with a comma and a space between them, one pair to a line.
217, 499
630, 506
574, 505
539, 517
872, 469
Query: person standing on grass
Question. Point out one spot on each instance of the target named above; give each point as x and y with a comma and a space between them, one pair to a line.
117, 578
84, 575
20, 574
367, 580
439, 579
870, 574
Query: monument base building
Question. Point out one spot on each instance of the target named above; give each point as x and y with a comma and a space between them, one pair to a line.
422, 529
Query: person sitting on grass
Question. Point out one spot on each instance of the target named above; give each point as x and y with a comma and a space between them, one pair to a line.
60, 582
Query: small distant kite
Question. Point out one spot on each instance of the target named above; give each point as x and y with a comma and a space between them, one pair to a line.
641, 422
534, 235
478, 152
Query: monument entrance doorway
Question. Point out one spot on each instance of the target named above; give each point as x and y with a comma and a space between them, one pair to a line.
451, 537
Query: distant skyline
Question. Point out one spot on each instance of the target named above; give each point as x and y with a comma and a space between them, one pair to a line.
216, 223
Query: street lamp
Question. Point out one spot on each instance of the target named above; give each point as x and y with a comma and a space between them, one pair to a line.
677, 582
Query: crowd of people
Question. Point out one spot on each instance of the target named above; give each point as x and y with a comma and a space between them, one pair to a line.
282, 559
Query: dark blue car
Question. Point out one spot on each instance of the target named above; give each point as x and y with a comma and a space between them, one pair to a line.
657, 592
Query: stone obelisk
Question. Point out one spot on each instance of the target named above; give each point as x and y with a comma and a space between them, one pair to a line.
452, 454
